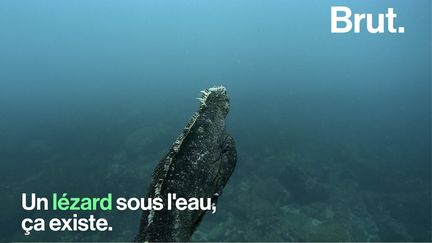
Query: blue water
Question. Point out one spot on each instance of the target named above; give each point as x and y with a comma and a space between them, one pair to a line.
333, 131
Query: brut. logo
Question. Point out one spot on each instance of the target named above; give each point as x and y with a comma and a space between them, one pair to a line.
341, 15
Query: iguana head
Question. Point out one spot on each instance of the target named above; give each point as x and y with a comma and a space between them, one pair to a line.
215, 98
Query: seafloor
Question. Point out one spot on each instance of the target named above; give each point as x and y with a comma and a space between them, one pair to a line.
286, 187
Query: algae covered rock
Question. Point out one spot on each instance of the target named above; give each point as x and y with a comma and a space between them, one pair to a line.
329, 231
302, 186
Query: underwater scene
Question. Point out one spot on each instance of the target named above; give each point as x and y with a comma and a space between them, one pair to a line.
332, 131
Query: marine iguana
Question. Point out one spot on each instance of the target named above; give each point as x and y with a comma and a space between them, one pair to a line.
198, 165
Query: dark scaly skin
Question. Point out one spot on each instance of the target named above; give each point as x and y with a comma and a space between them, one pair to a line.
198, 165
